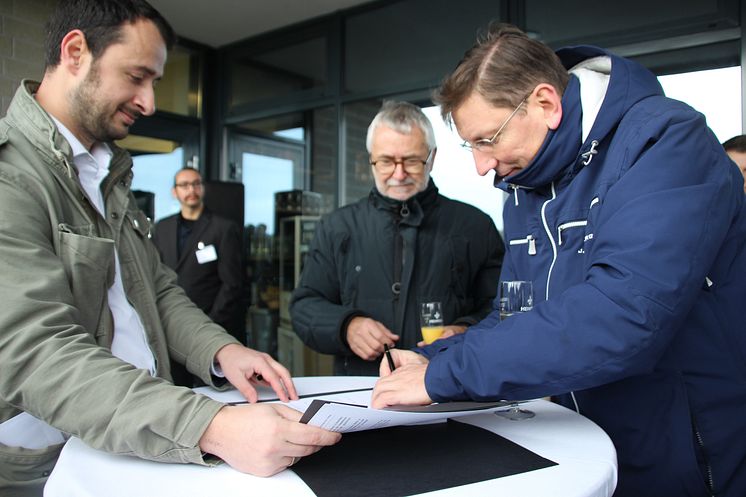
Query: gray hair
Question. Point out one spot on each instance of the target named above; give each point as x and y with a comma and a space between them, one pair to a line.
401, 116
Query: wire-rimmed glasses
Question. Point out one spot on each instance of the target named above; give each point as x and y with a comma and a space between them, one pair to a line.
486, 144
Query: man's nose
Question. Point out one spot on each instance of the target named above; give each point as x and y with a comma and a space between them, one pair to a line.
483, 161
145, 100
399, 171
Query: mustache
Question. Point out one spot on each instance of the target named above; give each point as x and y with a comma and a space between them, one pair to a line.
394, 182
136, 114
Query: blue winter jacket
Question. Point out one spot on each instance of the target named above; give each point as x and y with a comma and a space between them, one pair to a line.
635, 240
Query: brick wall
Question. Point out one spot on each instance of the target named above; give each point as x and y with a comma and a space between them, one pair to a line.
21, 44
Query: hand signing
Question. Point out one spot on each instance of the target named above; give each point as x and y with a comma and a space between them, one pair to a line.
405, 386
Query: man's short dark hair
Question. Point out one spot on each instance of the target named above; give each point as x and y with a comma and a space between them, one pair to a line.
735, 144
101, 22
186, 168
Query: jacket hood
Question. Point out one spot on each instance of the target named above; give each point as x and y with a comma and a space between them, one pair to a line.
564, 152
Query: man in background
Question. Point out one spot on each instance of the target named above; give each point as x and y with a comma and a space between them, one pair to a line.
373, 263
91, 318
736, 150
205, 251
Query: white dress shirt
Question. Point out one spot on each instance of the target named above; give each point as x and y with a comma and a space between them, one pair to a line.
130, 342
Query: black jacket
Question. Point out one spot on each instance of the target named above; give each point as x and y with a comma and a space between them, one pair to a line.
214, 286
451, 253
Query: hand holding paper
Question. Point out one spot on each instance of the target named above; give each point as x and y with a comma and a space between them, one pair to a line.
242, 366
271, 432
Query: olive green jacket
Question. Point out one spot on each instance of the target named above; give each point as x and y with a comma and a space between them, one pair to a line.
56, 264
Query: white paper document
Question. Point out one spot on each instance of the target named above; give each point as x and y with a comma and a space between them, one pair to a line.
350, 412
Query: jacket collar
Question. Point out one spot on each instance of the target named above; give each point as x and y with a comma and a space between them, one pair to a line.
39, 128
564, 152
410, 211
560, 147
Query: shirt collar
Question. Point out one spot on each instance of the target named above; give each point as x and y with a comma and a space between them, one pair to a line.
100, 152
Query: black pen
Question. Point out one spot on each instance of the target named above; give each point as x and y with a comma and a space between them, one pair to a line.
388, 357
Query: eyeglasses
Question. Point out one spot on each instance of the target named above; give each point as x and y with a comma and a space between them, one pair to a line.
196, 184
411, 165
484, 144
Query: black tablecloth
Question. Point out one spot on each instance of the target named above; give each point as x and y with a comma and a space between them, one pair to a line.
408, 460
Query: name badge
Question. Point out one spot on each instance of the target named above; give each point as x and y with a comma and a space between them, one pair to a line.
206, 254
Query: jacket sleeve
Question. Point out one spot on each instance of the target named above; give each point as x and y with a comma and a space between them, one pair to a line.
230, 272
656, 234
319, 317
486, 262
52, 366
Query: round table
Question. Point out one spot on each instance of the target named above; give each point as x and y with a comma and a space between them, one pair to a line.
586, 460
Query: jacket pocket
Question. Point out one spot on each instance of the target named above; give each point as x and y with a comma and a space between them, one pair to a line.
528, 242
689, 460
89, 266
571, 236
24, 471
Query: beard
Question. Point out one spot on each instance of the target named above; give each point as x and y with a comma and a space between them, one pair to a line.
94, 115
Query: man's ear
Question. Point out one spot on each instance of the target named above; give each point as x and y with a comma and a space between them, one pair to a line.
550, 101
74, 51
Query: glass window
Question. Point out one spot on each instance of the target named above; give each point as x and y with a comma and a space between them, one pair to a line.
720, 102
266, 167
278, 72
297, 134
411, 44
180, 89
455, 174
276, 175
154, 173
611, 23
285, 126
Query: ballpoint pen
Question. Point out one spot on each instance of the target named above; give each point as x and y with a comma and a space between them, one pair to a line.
388, 357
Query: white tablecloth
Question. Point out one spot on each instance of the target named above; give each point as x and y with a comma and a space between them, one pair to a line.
586, 461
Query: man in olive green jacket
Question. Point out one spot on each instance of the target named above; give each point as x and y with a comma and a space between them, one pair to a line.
77, 358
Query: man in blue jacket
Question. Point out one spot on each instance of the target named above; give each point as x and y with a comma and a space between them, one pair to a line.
629, 219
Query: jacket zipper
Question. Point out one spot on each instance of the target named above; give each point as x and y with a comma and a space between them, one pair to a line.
708, 468
564, 226
551, 239
515, 192
551, 266
529, 240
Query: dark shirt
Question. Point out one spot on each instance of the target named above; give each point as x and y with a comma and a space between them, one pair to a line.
184, 229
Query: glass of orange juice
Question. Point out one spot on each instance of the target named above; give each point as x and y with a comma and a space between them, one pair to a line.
431, 321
